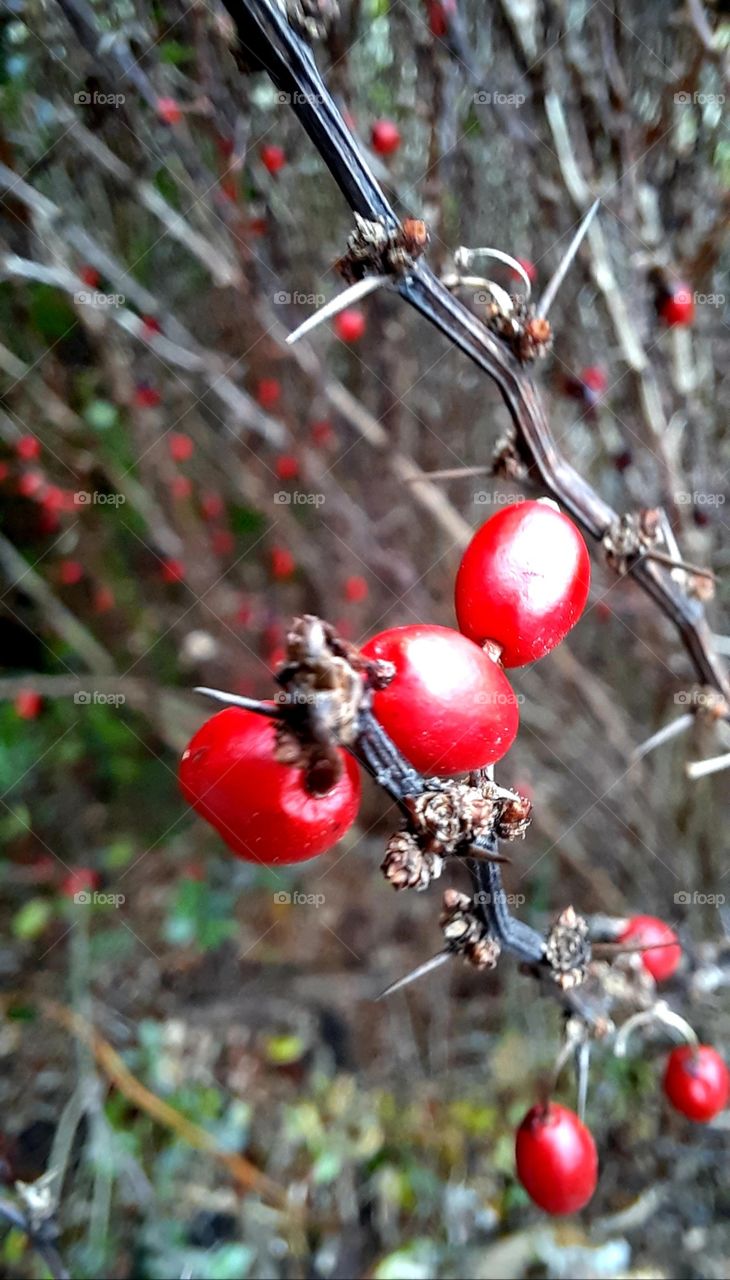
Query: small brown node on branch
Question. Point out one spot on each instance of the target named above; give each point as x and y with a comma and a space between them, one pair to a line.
630, 536
407, 866
568, 950
529, 335
313, 18
711, 705
324, 681
465, 932
513, 818
507, 462
374, 249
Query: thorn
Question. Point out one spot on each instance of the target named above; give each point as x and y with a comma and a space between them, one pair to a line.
353, 294
674, 563
554, 284
427, 967
464, 258
583, 1066
700, 768
237, 700
477, 854
668, 731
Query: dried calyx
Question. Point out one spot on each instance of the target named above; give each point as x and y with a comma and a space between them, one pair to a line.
374, 248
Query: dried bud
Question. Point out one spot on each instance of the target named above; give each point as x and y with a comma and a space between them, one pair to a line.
514, 817
567, 949
407, 866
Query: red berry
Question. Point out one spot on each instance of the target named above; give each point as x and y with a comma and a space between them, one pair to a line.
523, 581
323, 434
146, 396
212, 506
103, 599
529, 269
28, 448
385, 137
258, 226
287, 466
261, 808
272, 158
437, 18
151, 324
172, 571
80, 880
350, 325
223, 542
697, 1082
90, 276
676, 307
28, 704
181, 446
356, 589
181, 488
268, 392
31, 484
647, 931
70, 572
449, 707
556, 1158
4, 470
594, 378
168, 109
283, 563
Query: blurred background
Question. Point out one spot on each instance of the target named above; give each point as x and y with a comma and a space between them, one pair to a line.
176, 484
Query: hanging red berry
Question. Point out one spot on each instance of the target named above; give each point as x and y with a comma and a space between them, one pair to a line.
449, 707
556, 1157
169, 111
676, 307
350, 325
28, 704
649, 931
385, 137
259, 807
287, 466
523, 581
697, 1082
283, 564
268, 392
28, 448
272, 158
180, 445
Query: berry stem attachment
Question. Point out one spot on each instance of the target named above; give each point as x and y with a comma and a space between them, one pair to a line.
354, 292
658, 1013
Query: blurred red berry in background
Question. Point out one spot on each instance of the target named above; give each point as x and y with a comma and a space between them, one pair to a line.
350, 325
273, 158
28, 704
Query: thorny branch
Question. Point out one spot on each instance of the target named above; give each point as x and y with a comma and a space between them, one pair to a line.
270, 42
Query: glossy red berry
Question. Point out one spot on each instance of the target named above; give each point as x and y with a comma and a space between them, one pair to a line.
90, 276
385, 137
287, 466
180, 445
268, 392
648, 931
261, 808
168, 109
350, 325
28, 448
70, 572
449, 707
676, 307
556, 1158
283, 563
272, 158
697, 1082
172, 571
82, 880
28, 704
523, 581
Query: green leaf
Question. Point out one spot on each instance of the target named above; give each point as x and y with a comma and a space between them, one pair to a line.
32, 918
101, 415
